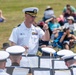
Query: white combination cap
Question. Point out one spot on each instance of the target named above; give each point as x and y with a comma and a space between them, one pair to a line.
64, 52
48, 50
15, 50
31, 11
3, 55
68, 56
70, 18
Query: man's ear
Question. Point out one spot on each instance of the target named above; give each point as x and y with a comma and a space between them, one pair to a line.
66, 63
20, 57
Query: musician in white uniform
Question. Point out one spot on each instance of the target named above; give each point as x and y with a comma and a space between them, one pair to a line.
70, 61
3, 56
15, 54
27, 35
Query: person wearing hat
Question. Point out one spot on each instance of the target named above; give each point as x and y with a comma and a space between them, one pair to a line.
15, 54
3, 56
53, 26
5, 45
27, 35
63, 52
70, 23
48, 13
69, 59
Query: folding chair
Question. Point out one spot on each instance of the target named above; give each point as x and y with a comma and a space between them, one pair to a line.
56, 43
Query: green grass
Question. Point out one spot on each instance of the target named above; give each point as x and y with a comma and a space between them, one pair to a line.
12, 10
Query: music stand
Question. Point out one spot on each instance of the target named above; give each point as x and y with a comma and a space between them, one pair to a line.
30, 61
62, 72
46, 62
41, 71
59, 64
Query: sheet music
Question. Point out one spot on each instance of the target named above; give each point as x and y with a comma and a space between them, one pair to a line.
29, 61
20, 71
60, 65
64, 72
41, 72
74, 70
45, 63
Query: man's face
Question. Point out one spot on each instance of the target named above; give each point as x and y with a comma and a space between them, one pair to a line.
30, 18
67, 63
70, 21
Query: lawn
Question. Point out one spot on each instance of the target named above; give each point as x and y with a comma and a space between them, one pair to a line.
12, 10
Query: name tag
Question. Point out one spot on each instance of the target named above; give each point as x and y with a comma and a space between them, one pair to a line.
34, 33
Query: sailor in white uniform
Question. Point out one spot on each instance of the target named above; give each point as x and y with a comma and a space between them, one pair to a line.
15, 54
16, 57
70, 61
3, 56
73, 66
27, 35
63, 52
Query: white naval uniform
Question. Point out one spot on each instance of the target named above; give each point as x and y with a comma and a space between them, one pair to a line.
24, 36
73, 68
2, 72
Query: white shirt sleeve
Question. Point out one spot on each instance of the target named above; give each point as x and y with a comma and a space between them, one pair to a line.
40, 32
13, 36
74, 26
66, 25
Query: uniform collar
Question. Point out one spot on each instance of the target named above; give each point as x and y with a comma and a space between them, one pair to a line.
24, 26
1, 70
73, 65
15, 64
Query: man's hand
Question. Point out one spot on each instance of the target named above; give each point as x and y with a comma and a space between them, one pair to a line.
45, 27
26, 47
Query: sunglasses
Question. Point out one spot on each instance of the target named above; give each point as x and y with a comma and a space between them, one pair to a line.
32, 16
